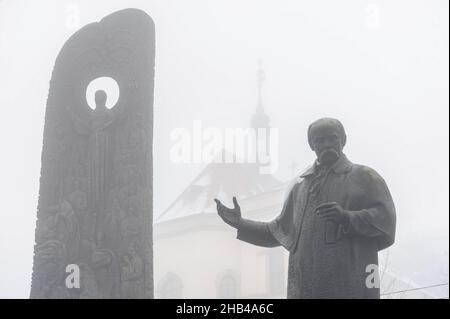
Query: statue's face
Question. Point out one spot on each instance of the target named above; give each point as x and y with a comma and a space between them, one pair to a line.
327, 143
132, 251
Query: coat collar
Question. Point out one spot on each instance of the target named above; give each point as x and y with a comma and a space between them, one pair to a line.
342, 166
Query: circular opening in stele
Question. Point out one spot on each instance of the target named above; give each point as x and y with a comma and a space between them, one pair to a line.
106, 84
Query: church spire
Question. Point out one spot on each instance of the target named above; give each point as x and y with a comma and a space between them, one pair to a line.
261, 77
260, 118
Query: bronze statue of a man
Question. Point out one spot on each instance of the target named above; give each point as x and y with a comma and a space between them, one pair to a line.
334, 221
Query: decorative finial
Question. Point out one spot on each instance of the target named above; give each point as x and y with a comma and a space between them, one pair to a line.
261, 78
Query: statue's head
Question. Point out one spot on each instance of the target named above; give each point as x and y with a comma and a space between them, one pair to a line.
327, 138
100, 99
78, 199
132, 249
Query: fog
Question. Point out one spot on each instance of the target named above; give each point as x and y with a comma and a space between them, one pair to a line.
381, 67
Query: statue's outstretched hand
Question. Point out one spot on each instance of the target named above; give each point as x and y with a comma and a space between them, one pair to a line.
231, 216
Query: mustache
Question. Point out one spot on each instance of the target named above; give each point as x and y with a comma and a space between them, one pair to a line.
328, 154
328, 150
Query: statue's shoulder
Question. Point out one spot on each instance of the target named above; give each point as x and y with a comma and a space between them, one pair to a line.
365, 173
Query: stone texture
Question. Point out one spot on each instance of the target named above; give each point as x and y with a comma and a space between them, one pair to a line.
95, 198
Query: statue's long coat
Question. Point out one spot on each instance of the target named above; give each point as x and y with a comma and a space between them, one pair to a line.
327, 260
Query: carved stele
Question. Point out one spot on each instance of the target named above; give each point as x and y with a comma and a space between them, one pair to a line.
95, 199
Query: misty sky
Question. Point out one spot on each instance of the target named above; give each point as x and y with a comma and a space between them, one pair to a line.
381, 67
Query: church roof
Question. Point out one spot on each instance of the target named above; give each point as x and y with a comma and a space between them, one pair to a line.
219, 180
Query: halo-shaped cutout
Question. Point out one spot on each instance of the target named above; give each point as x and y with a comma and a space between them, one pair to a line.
107, 84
